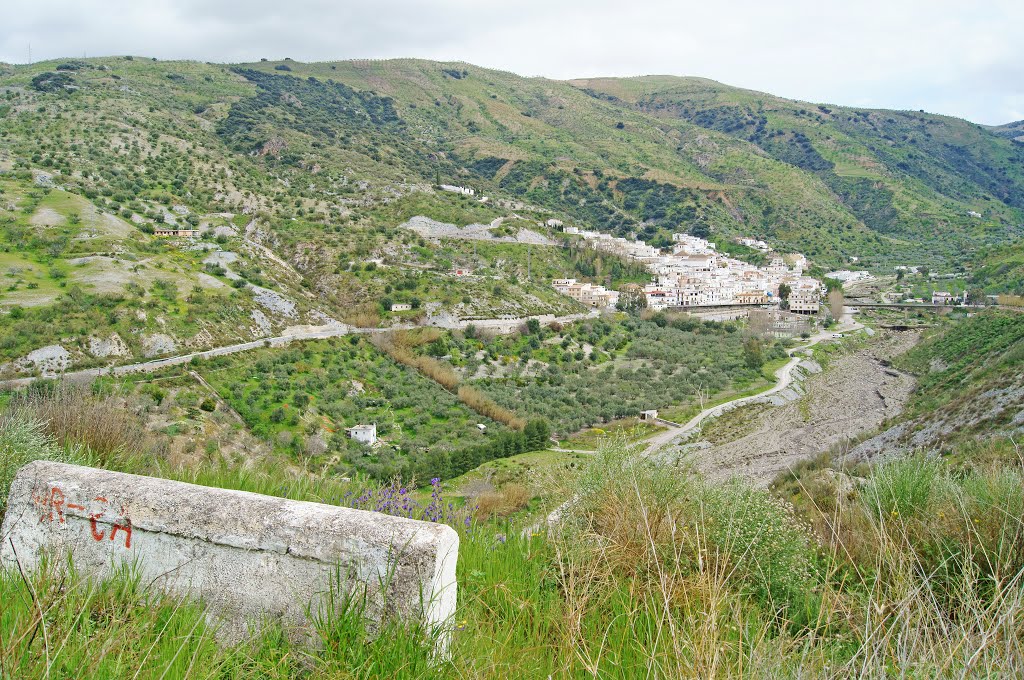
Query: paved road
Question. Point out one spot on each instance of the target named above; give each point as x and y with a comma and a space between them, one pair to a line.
783, 377
298, 334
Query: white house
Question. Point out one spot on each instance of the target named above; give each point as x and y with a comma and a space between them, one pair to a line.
465, 191
186, 233
367, 434
401, 307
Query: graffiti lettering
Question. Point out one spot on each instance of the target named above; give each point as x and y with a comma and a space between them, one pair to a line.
53, 502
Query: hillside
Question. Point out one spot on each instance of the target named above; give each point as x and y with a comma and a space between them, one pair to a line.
913, 179
1000, 269
303, 179
1014, 131
970, 391
652, 571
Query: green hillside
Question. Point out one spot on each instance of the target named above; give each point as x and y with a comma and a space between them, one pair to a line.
1013, 130
1000, 269
301, 177
970, 386
929, 186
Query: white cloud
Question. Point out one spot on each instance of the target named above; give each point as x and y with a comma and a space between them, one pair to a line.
951, 57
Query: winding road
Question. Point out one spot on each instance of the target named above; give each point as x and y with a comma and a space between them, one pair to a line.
290, 335
783, 376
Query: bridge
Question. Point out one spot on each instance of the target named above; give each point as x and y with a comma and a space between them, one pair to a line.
908, 305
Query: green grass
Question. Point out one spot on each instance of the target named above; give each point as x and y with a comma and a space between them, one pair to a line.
653, 571
763, 383
627, 430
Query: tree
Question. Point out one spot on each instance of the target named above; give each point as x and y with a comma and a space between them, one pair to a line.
784, 291
631, 299
836, 300
753, 356
537, 433
700, 230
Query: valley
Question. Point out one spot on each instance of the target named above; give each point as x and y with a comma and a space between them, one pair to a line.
702, 381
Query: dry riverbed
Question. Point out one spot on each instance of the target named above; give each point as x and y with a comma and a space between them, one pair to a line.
854, 395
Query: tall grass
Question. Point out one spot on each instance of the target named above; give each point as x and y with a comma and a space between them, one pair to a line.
915, 570
23, 440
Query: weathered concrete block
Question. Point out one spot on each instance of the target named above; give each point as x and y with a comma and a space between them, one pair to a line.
249, 557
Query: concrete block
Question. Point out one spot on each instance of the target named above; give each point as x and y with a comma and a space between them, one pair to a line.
248, 557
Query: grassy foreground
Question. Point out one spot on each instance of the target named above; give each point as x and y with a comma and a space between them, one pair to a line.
912, 570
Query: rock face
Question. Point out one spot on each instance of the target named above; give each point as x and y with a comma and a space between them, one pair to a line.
249, 557
424, 226
157, 344
50, 360
113, 346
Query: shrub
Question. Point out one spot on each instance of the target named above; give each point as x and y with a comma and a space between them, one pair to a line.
764, 543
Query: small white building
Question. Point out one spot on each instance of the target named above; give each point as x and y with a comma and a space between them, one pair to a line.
401, 307
465, 191
366, 434
940, 297
175, 232
649, 416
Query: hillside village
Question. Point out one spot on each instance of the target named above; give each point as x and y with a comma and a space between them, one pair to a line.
695, 274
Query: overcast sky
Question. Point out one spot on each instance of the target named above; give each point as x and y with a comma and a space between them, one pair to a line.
954, 57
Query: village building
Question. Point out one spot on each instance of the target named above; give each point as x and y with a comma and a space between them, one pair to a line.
465, 191
365, 434
805, 300
696, 275
401, 307
175, 232
588, 294
753, 298
940, 297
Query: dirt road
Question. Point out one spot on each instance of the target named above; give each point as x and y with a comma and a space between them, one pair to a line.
333, 330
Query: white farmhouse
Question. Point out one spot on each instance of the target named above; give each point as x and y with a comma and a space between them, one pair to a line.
366, 434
